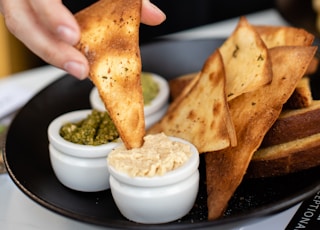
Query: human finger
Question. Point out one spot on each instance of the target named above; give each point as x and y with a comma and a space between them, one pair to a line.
57, 19
48, 47
151, 14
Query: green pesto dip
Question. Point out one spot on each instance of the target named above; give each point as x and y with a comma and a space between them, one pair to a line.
96, 129
150, 88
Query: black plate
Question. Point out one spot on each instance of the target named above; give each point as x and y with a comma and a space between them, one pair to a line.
27, 158
299, 13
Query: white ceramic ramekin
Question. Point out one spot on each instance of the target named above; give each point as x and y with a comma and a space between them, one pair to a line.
153, 112
79, 167
158, 199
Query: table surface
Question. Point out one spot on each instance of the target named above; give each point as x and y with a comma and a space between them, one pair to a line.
17, 211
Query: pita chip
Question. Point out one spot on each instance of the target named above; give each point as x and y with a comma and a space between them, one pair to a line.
253, 114
110, 41
200, 114
245, 48
284, 36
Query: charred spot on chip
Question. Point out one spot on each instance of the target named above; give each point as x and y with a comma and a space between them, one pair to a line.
192, 115
235, 51
260, 58
230, 95
217, 108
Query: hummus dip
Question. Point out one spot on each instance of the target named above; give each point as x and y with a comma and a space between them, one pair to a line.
157, 156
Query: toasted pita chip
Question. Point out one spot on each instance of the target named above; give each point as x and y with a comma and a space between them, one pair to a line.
287, 36
180, 94
179, 83
272, 36
253, 114
290, 36
200, 114
313, 67
284, 36
186, 90
244, 48
109, 39
301, 97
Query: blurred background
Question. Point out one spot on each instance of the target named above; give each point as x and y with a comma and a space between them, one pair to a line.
181, 15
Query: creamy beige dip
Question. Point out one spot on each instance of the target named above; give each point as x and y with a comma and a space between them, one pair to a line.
157, 156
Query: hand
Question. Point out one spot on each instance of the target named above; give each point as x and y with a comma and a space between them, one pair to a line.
50, 30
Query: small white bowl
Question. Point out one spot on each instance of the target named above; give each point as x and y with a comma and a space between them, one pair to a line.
153, 112
79, 167
158, 199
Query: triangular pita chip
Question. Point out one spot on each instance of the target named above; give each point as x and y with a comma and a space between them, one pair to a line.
110, 41
272, 36
284, 36
253, 114
179, 83
246, 60
200, 114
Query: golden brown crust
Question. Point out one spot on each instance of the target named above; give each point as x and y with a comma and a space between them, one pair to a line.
294, 124
238, 51
285, 158
313, 67
272, 36
284, 36
201, 110
178, 84
253, 114
301, 97
110, 41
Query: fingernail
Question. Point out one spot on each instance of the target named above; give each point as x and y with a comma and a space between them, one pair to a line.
68, 35
76, 69
158, 11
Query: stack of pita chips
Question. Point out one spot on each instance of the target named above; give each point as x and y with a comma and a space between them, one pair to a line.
261, 67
